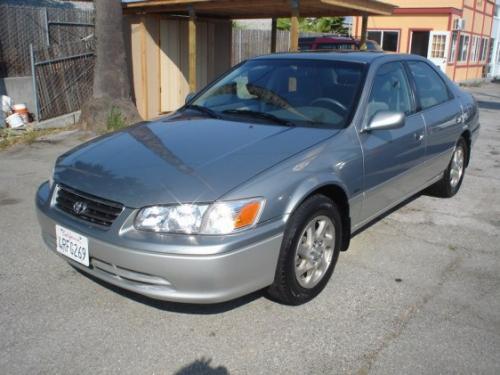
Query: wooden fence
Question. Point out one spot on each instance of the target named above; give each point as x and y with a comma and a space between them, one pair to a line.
251, 43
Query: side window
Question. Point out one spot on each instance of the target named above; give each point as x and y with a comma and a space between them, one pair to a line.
431, 90
390, 91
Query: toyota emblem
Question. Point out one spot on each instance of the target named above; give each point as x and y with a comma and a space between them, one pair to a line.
79, 207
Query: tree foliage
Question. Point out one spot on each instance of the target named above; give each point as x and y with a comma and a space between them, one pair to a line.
334, 25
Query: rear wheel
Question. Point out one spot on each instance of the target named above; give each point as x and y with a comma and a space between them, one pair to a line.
309, 251
453, 176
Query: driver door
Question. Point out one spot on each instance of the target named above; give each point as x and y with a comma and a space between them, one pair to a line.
391, 156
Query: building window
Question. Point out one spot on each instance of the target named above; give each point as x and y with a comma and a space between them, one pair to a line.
388, 40
453, 47
484, 49
463, 47
475, 49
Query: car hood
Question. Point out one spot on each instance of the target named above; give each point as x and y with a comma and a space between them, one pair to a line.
180, 159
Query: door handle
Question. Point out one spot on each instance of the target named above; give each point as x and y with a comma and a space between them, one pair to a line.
419, 137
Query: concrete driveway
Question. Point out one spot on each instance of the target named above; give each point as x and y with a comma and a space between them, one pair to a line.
419, 292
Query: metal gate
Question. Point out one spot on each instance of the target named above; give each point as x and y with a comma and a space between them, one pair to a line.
62, 77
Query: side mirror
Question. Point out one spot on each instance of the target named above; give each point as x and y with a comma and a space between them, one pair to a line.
386, 120
189, 97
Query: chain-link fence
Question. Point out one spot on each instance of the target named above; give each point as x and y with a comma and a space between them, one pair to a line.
42, 27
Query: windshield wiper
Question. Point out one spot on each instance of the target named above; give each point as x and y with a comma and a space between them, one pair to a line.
202, 109
262, 115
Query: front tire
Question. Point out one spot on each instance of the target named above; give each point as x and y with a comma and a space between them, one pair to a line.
453, 176
309, 251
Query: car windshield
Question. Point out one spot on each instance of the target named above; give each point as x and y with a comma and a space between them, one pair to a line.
287, 92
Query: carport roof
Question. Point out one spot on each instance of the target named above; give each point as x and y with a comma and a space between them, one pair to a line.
239, 9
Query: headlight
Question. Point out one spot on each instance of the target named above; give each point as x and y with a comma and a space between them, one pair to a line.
218, 218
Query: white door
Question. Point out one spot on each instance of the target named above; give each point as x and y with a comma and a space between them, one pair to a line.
438, 48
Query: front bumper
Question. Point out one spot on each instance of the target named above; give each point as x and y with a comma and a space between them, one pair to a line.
194, 269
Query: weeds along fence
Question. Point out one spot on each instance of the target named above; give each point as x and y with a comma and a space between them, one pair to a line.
63, 77
21, 26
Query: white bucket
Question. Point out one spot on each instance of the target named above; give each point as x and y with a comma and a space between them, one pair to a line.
19, 107
15, 121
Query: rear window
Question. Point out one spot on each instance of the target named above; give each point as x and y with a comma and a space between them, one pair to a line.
348, 46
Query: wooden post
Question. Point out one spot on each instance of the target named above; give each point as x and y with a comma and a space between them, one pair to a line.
144, 69
364, 28
274, 31
294, 26
192, 50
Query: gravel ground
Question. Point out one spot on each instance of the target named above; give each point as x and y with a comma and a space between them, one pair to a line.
419, 292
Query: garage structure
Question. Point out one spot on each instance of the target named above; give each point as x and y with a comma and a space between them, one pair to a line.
178, 46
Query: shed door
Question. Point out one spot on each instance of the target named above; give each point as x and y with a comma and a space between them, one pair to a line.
173, 64
438, 48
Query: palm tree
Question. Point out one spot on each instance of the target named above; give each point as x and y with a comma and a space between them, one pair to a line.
111, 90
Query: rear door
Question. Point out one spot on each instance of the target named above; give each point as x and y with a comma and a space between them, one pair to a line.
438, 48
391, 156
442, 113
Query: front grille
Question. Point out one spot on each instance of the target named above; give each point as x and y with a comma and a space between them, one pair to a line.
92, 209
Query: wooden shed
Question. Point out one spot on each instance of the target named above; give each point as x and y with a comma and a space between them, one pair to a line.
177, 46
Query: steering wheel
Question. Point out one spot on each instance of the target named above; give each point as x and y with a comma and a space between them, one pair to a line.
330, 102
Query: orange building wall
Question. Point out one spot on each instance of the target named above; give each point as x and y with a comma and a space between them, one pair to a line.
401, 23
478, 15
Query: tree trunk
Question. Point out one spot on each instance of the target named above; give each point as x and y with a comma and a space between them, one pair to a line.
111, 98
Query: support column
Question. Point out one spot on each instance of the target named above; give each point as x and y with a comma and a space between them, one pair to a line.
274, 32
294, 26
364, 29
192, 49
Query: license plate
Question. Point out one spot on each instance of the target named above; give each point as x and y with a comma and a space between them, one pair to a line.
73, 245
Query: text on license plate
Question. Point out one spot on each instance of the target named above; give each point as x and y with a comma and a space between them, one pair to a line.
73, 245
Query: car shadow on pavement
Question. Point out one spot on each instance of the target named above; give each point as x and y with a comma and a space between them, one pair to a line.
488, 105
202, 367
177, 307
425, 192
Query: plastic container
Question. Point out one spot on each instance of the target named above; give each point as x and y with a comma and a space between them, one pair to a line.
15, 121
23, 111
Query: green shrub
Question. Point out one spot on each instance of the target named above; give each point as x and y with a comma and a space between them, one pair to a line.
116, 120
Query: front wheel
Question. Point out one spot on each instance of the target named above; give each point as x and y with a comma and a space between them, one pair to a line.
309, 251
453, 176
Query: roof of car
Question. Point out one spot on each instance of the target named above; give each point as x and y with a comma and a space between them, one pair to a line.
361, 57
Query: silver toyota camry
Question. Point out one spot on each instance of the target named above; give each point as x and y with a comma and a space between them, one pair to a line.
261, 179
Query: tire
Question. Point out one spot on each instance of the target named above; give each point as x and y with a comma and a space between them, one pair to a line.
453, 176
290, 286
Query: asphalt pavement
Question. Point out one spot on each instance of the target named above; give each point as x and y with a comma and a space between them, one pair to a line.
417, 293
